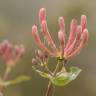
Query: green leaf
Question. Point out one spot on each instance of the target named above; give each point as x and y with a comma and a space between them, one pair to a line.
19, 79
42, 74
15, 81
74, 72
62, 78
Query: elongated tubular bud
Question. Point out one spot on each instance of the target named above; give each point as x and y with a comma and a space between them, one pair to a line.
85, 36
36, 35
81, 45
42, 15
38, 41
73, 27
83, 22
61, 39
76, 40
48, 36
61, 24
61, 33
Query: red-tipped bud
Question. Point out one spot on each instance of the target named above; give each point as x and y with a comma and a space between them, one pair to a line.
85, 35
73, 27
48, 36
42, 14
61, 24
35, 34
38, 41
44, 27
84, 40
83, 22
76, 40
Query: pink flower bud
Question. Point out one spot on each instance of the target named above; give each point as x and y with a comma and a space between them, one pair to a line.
34, 61
19, 50
73, 27
84, 40
61, 39
4, 46
85, 35
76, 40
40, 54
42, 14
7, 52
38, 41
36, 35
48, 36
61, 24
83, 22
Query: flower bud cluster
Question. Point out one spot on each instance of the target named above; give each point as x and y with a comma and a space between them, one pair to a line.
11, 54
41, 58
78, 37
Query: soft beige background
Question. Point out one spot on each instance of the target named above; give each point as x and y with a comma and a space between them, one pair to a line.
16, 19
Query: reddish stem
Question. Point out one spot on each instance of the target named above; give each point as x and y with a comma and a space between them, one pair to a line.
50, 90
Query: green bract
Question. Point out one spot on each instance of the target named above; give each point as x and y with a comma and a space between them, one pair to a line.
61, 78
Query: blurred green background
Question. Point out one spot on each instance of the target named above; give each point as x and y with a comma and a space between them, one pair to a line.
16, 19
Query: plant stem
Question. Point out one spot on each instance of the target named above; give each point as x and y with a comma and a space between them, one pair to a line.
48, 70
50, 90
1, 94
56, 69
8, 69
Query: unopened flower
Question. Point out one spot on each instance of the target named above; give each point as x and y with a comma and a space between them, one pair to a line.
41, 58
11, 54
78, 37
34, 61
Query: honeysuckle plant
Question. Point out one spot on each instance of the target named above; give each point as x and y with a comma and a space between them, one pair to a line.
11, 56
78, 37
